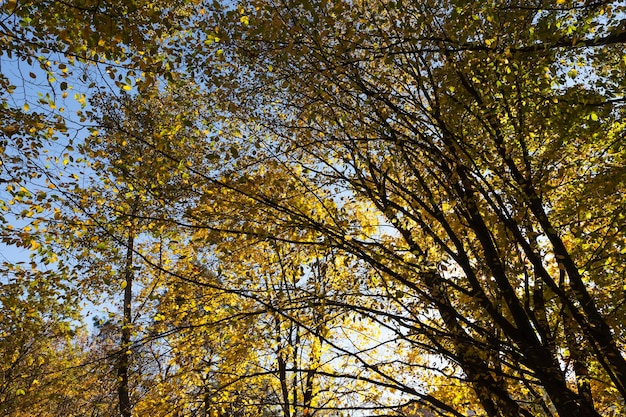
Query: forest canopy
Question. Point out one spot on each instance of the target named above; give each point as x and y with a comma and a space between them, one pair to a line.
298, 208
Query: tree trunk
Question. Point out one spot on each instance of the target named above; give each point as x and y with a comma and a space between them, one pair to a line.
122, 369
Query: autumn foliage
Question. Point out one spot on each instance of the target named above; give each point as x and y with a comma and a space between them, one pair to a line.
298, 208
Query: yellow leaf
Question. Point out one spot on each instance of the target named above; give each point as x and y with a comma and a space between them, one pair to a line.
124, 284
127, 87
10, 5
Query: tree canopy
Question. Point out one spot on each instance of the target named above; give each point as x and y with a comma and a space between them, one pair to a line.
297, 208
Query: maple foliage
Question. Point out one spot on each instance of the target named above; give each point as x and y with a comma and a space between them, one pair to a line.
314, 207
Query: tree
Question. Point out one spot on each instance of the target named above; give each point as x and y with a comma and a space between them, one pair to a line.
115, 226
48, 50
472, 130
36, 339
449, 173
